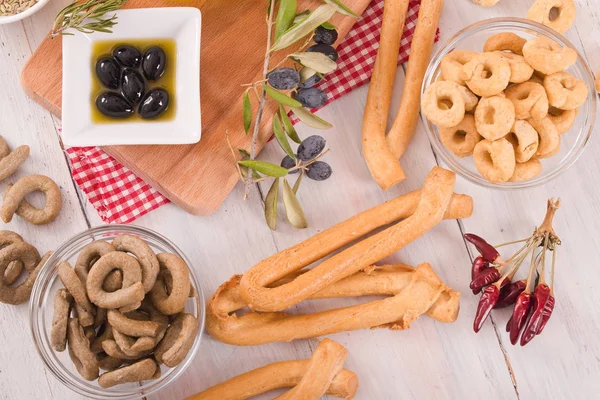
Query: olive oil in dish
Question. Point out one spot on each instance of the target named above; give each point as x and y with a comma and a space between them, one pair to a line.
133, 81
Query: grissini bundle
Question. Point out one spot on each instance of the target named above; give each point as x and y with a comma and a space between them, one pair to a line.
405, 123
310, 379
435, 198
280, 281
383, 164
382, 152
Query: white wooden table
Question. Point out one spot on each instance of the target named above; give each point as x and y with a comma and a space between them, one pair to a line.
430, 360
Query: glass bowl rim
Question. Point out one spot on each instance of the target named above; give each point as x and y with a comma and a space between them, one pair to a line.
523, 24
38, 332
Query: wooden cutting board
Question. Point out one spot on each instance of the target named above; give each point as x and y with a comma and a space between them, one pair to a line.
196, 177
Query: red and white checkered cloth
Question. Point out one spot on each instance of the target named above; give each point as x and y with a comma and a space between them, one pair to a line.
120, 196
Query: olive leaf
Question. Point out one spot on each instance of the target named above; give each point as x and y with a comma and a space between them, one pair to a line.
245, 154
301, 17
297, 184
306, 73
342, 8
310, 119
318, 62
294, 211
271, 204
281, 98
317, 17
265, 168
288, 126
281, 138
328, 25
247, 112
285, 17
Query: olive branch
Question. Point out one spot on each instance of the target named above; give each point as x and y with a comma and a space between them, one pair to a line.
286, 27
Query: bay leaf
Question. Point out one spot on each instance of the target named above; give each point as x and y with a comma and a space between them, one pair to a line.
247, 112
285, 17
264, 168
317, 17
294, 211
310, 119
281, 98
318, 62
281, 138
288, 126
342, 8
271, 204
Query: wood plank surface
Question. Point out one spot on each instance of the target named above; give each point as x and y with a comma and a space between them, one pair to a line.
430, 360
196, 177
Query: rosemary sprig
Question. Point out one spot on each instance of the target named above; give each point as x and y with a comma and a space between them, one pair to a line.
87, 17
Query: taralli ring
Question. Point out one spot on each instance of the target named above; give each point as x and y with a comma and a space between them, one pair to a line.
111, 348
140, 371
494, 117
60, 319
30, 258
529, 99
505, 41
526, 171
520, 71
14, 269
144, 254
86, 310
565, 91
542, 11
469, 97
524, 139
563, 120
108, 363
89, 255
14, 200
443, 104
495, 160
462, 138
549, 138
178, 340
132, 327
11, 161
547, 56
174, 301
132, 292
80, 353
487, 74
452, 65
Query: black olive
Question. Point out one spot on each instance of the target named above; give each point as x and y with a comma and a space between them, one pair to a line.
154, 104
127, 56
108, 72
325, 36
113, 105
154, 63
326, 49
133, 85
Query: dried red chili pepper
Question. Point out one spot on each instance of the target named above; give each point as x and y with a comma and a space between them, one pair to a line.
519, 316
486, 303
509, 294
547, 313
509, 324
486, 277
479, 265
488, 251
541, 294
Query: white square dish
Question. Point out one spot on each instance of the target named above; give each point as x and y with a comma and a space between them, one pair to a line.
180, 24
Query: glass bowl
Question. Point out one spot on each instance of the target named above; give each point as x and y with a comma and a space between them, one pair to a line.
573, 142
41, 309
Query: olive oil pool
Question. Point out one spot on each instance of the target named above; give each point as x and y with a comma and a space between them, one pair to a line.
133, 81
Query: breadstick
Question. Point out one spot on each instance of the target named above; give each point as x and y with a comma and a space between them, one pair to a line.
343, 384
405, 123
424, 293
383, 165
326, 362
435, 198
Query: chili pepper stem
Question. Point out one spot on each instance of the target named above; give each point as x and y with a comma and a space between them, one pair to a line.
513, 242
552, 272
531, 269
543, 271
